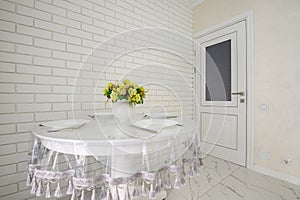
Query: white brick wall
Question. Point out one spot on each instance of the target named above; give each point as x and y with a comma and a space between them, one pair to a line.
43, 44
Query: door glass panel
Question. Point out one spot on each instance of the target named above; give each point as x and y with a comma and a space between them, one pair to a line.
218, 72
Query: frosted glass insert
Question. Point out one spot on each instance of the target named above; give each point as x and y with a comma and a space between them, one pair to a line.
218, 72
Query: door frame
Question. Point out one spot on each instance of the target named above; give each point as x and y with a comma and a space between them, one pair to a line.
248, 18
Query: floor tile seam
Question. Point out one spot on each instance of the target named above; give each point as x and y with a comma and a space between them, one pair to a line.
213, 186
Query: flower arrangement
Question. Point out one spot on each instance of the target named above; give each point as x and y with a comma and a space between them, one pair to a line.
125, 91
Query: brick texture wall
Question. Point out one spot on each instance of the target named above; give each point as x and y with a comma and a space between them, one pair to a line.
57, 55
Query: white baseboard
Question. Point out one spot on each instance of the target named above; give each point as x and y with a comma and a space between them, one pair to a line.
276, 174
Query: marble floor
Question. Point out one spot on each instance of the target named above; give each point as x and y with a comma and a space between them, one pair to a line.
222, 180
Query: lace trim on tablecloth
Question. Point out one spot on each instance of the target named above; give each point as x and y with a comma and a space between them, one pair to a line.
41, 181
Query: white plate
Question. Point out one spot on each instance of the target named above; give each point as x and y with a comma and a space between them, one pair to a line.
154, 125
66, 124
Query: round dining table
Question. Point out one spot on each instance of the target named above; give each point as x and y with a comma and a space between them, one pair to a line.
112, 159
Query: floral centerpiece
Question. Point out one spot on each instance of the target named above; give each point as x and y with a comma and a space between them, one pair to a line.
125, 90
124, 96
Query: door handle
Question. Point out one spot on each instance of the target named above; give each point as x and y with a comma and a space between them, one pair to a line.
238, 93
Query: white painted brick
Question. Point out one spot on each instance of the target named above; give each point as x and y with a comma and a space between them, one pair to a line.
13, 178
133, 15
125, 5
94, 60
49, 44
93, 29
91, 106
8, 189
48, 62
22, 186
91, 44
112, 77
16, 78
22, 166
66, 55
124, 18
66, 22
104, 11
24, 2
93, 14
100, 38
51, 98
7, 6
7, 26
34, 107
114, 21
33, 13
83, 3
90, 90
7, 88
13, 118
14, 37
66, 5
66, 38
91, 75
7, 46
33, 50
66, 106
50, 8
8, 149
65, 72
79, 33
78, 49
78, 65
80, 98
100, 3
8, 169
31, 31
13, 17
104, 25
26, 127
7, 129
79, 114
21, 147
79, 17
29, 69
29, 88
114, 7
20, 195
15, 58
50, 116
79, 82
104, 68
70, 46
7, 108
49, 26
66, 89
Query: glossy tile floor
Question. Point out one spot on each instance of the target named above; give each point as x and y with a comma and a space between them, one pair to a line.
221, 180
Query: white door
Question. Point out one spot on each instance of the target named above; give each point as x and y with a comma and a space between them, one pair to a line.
221, 61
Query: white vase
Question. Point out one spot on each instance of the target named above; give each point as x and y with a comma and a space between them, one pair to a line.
122, 111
